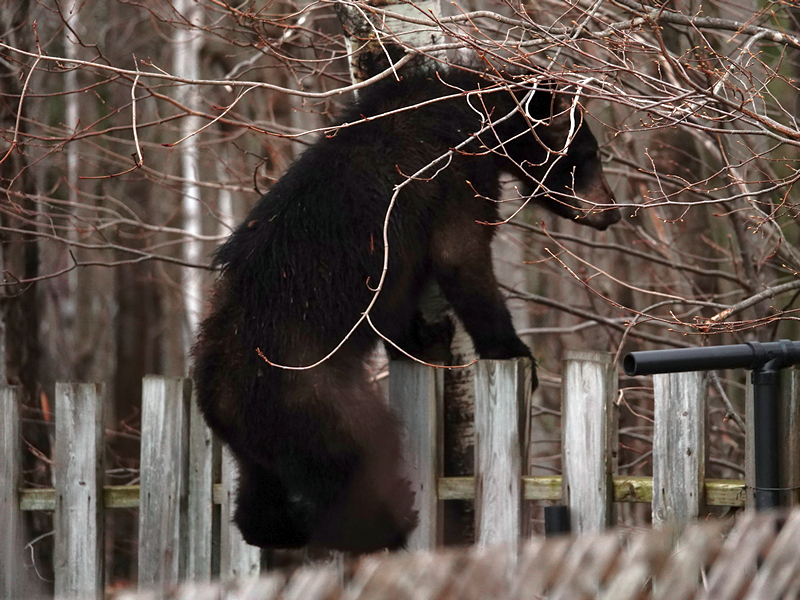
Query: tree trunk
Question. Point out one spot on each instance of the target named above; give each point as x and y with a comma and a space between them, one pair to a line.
186, 64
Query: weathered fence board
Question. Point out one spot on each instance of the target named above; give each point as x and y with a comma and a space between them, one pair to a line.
500, 399
679, 465
588, 442
416, 393
10, 482
789, 435
718, 492
79, 474
165, 481
237, 557
749, 446
200, 551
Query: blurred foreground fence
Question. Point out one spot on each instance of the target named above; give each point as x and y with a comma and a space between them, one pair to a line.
756, 560
183, 486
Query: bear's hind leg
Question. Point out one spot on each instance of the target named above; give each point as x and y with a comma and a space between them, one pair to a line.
370, 505
372, 514
265, 513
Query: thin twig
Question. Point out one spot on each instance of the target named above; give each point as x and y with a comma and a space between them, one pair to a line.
14, 142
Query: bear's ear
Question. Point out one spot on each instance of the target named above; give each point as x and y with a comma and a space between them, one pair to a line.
562, 102
563, 99
565, 115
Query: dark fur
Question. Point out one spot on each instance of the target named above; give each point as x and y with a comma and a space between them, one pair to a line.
319, 450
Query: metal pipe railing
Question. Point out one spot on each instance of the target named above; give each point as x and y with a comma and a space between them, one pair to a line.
765, 360
752, 355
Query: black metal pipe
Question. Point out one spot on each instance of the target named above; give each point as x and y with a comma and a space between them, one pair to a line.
556, 520
751, 355
765, 438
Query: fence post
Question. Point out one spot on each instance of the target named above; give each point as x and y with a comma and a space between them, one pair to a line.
500, 391
10, 480
416, 393
679, 447
789, 435
202, 453
749, 445
589, 438
237, 557
79, 473
164, 481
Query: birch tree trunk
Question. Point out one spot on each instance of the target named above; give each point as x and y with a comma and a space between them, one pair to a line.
186, 64
69, 302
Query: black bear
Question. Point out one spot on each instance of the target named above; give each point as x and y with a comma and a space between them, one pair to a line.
319, 449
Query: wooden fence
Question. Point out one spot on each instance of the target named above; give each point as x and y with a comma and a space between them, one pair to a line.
178, 490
